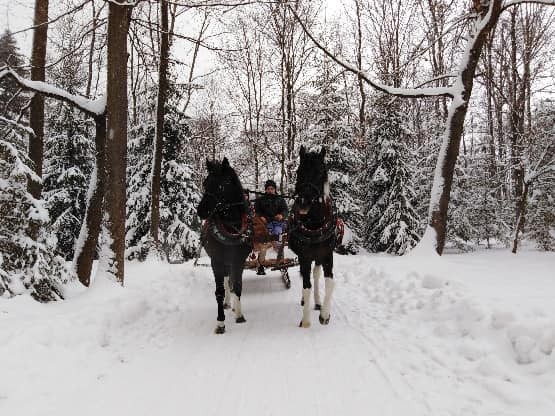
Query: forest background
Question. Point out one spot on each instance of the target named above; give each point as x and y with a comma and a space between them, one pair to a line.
246, 81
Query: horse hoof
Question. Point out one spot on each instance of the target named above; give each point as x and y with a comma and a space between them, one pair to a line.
240, 320
226, 306
324, 321
317, 307
304, 324
220, 330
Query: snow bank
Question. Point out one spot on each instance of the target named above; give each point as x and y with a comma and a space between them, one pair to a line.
451, 312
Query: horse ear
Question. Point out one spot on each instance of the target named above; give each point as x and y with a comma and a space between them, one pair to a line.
225, 163
209, 165
323, 151
302, 151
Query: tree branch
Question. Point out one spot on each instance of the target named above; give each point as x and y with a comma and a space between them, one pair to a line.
92, 107
402, 92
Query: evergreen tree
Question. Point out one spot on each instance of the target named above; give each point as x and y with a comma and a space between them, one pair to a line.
138, 190
9, 55
27, 265
328, 125
69, 161
179, 224
392, 222
541, 210
179, 197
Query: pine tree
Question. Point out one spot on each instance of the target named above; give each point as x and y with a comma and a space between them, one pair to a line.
138, 190
328, 125
10, 55
541, 222
391, 220
179, 197
179, 224
69, 161
27, 265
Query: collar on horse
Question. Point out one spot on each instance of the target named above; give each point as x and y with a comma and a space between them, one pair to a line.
227, 233
315, 235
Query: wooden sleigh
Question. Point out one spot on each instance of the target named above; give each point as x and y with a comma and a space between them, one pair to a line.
263, 240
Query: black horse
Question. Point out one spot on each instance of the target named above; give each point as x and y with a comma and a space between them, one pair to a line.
312, 231
227, 233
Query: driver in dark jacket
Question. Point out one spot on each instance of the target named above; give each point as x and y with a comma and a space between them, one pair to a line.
273, 209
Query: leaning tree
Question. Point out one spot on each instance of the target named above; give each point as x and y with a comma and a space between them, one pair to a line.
485, 15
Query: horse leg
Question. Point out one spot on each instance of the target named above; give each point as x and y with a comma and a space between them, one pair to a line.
330, 284
227, 292
261, 259
219, 270
305, 273
237, 282
316, 274
227, 288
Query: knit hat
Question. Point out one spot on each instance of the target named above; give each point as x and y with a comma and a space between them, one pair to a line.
270, 182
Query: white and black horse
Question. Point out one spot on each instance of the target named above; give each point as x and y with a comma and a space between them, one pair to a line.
227, 233
312, 231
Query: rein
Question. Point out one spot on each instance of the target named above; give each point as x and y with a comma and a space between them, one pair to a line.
264, 193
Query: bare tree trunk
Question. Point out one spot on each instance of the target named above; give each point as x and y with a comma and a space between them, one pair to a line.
362, 107
159, 133
91, 52
521, 209
189, 86
116, 141
36, 116
88, 237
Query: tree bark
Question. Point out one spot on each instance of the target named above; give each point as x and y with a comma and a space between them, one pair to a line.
521, 209
159, 132
116, 141
445, 167
36, 116
362, 106
84, 253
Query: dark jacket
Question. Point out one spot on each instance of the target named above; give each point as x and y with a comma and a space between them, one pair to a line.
269, 205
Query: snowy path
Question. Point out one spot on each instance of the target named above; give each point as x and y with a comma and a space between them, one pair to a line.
149, 349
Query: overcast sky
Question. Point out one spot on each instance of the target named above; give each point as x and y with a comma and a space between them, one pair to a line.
17, 15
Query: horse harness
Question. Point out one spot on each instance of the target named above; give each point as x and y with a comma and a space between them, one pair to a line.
327, 231
223, 232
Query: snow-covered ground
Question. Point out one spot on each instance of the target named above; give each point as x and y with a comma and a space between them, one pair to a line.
467, 334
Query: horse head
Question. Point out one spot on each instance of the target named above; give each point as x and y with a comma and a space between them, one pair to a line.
312, 180
223, 193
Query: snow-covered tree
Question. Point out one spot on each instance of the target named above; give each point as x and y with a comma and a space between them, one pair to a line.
327, 124
391, 222
138, 190
179, 195
28, 259
69, 161
10, 55
179, 224
540, 178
